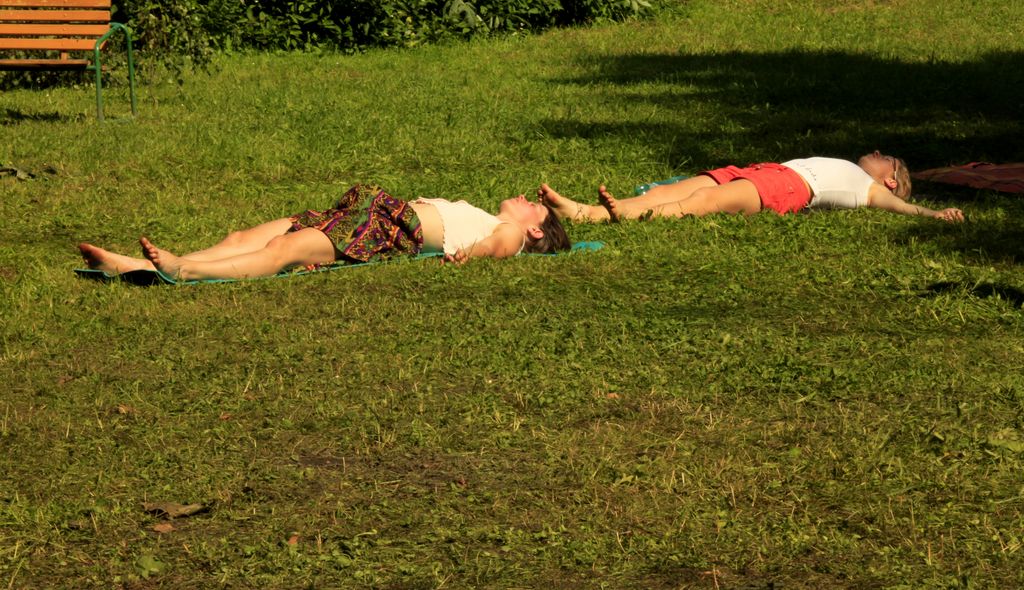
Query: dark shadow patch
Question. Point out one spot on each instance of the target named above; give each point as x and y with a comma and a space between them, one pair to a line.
12, 117
138, 278
797, 103
992, 241
1008, 293
939, 192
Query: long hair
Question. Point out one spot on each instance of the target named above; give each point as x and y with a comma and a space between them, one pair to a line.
554, 239
903, 185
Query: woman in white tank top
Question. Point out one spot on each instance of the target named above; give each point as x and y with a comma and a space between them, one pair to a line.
366, 224
876, 180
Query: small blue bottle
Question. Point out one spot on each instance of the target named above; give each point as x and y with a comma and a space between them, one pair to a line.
643, 188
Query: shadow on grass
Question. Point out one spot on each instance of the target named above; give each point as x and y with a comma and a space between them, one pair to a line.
997, 236
1013, 295
12, 117
799, 103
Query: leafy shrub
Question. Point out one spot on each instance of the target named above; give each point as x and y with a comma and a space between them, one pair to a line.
358, 24
172, 31
352, 25
178, 34
192, 29
497, 16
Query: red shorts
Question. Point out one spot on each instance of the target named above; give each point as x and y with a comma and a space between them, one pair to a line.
780, 189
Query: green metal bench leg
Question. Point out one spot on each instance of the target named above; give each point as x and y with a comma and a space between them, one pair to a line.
131, 71
99, 87
98, 66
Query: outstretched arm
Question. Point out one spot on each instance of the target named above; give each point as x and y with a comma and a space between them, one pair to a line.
881, 197
507, 240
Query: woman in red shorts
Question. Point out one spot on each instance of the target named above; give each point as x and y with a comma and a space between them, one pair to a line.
876, 180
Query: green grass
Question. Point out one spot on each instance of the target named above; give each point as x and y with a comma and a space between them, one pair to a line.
814, 401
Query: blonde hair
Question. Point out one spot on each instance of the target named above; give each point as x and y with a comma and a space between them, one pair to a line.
902, 181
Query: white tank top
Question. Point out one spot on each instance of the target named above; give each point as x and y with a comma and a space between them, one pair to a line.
463, 224
835, 183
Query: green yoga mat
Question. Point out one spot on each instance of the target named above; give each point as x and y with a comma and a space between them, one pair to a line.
146, 278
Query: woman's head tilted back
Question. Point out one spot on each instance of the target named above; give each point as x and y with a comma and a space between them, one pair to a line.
903, 185
544, 232
554, 239
889, 171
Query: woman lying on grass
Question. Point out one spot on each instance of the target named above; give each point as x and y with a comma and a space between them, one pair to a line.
366, 224
876, 180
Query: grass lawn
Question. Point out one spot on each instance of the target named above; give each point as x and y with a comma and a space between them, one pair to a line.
816, 401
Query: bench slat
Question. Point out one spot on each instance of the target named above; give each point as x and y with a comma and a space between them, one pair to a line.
94, 31
54, 44
56, 16
44, 64
61, 27
57, 3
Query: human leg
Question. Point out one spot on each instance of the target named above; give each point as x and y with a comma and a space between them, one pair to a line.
567, 208
738, 196
652, 200
100, 259
307, 246
256, 238
243, 241
630, 208
239, 242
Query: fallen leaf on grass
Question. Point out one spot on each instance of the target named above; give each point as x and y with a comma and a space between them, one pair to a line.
294, 539
173, 509
163, 527
611, 395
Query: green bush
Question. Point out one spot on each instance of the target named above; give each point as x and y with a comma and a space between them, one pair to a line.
350, 25
587, 11
360, 24
175, 35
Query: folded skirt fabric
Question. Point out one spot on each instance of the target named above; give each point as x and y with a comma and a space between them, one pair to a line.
366, 225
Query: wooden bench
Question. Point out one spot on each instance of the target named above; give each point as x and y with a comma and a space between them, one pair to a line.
60, 35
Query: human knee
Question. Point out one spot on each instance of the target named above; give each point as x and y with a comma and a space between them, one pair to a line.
282, 242
703, 201
706, 195
234, 238
279, 248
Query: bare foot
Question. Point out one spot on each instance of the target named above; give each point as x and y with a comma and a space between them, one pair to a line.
609, 203
162, 259
566, 208
99, 259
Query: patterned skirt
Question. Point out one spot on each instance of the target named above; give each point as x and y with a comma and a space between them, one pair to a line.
366, 225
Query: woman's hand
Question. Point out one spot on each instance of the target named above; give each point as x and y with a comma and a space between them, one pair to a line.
951, 215
458, 259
